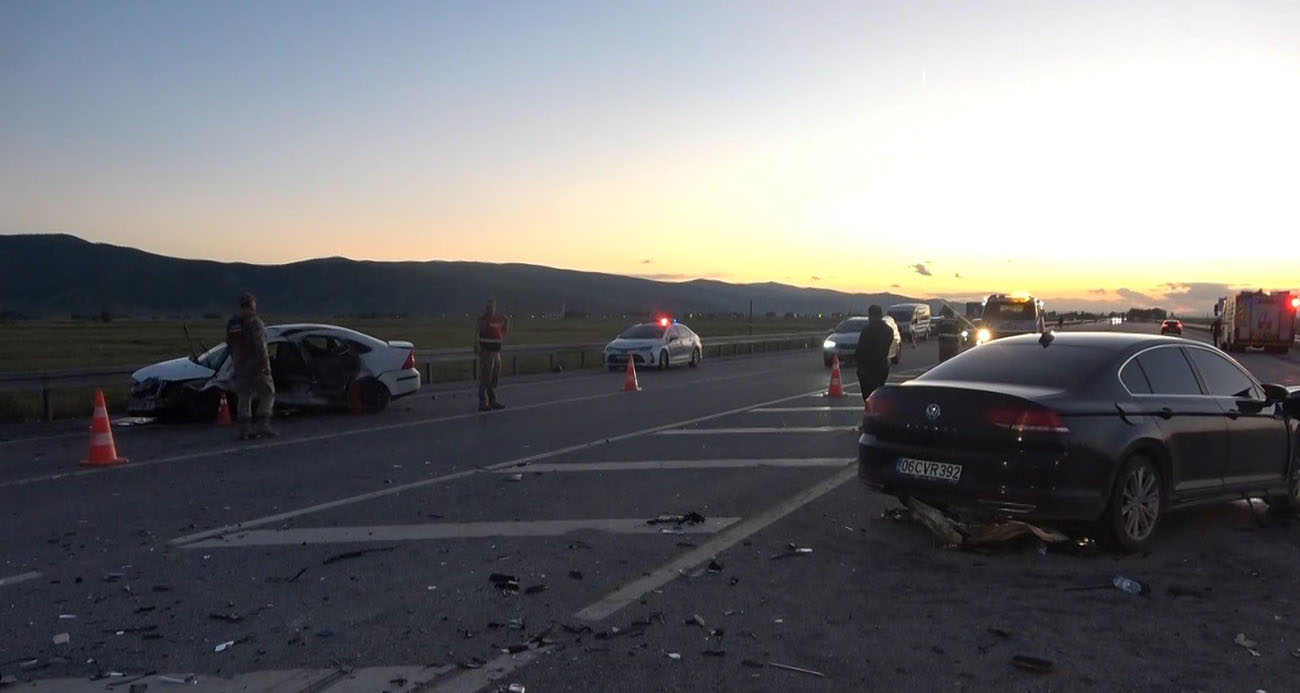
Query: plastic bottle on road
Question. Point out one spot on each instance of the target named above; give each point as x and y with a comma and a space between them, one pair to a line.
1129, 585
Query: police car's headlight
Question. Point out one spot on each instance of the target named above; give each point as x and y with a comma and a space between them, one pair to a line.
965, 334
983, 336
828, 344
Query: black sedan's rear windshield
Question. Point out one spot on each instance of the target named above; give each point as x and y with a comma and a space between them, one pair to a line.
1026, 363
644, 332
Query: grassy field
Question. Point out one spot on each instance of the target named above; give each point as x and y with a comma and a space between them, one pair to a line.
32, 346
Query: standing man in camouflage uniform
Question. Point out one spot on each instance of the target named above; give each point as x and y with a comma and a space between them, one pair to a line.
489, 335
246, 342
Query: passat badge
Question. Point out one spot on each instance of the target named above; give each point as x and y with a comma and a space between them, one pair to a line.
932, 411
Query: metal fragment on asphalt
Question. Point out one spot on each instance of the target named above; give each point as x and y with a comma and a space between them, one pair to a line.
62, 639
799, 670
225, 646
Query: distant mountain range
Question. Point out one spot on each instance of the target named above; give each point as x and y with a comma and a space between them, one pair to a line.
49, 275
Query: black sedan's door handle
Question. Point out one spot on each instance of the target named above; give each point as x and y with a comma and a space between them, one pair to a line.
1166, 413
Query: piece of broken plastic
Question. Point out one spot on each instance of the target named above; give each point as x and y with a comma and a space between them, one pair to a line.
674, 656
225, 646
514, 477
1037, 665
62, 639
516, 688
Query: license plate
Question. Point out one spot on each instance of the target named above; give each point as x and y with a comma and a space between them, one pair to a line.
938, 471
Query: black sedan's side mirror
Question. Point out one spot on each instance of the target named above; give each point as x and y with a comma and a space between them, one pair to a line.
1273, 394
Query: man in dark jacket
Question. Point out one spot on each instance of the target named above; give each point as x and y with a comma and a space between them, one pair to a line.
874, 344
246, 342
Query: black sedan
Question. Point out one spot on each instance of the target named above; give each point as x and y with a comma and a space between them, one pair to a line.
1109, 428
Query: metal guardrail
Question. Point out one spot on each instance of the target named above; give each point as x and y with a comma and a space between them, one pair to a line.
47, 382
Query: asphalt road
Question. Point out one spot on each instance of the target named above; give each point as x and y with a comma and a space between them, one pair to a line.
200, 541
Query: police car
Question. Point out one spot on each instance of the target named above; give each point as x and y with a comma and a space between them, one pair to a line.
661, 344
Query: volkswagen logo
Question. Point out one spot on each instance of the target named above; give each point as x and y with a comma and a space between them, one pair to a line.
932, 411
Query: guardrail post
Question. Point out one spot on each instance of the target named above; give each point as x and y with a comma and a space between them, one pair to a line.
582, 359
551, 359
428, 372
47, 405
514, 365
473, 372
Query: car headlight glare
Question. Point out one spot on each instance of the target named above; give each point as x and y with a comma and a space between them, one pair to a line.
983, 336
828, 344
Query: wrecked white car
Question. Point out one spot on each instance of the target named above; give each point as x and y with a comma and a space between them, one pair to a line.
313, 366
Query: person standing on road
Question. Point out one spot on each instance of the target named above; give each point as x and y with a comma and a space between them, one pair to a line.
949, 335
874, 344
1216, 330
246, 342
489, 335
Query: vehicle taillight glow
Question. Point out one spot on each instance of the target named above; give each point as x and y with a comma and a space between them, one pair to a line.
1295, 303
1028, 420
663, 322
877, 406
410, 361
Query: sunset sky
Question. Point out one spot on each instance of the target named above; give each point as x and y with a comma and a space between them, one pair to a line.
1108, 152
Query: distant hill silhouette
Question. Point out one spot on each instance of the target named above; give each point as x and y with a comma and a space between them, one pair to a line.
50, 275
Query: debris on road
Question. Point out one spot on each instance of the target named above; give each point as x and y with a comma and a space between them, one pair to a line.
67, 617
793, 551
714, 566
535, 589
324, 633
576, 630
355, 554
8, 680
956, 533
1129, 585
674, 656
695, 620
1001, 633
799, 670
513, 477
225, 646
714, 653
1037, 665
1247, 643
472, 663
516, 688
188, 680
282, 580
62, 639
505, 583
691, 518
228, 618
752, 664
575, 574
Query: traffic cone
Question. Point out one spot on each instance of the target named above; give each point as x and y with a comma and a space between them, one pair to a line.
223, 412
103, 453
837, 384
629, 383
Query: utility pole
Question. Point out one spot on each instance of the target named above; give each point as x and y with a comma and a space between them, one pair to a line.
751, 317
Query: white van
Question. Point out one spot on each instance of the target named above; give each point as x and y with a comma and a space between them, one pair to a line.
913, 319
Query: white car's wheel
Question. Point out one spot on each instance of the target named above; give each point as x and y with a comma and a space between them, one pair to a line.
695, 358
663, 360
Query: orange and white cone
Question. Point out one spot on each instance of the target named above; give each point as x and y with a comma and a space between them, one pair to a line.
103, 453
223, 412
629, 382
837, 383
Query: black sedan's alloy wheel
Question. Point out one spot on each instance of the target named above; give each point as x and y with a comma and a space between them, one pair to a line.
1136, 504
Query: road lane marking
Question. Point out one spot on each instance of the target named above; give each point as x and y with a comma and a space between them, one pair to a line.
21, 577
633, 591
476, 680
765, 429
304, 536
519, 462
656, 465
795, 410
286, 442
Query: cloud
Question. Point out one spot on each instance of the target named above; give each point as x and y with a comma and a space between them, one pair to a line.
957, 275
647, 262
922, 270
1131, 295
678, 277
895, 286
815, 278
1098, 292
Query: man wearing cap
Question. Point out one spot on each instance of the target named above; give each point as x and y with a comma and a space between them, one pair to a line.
246, 342
489, 335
